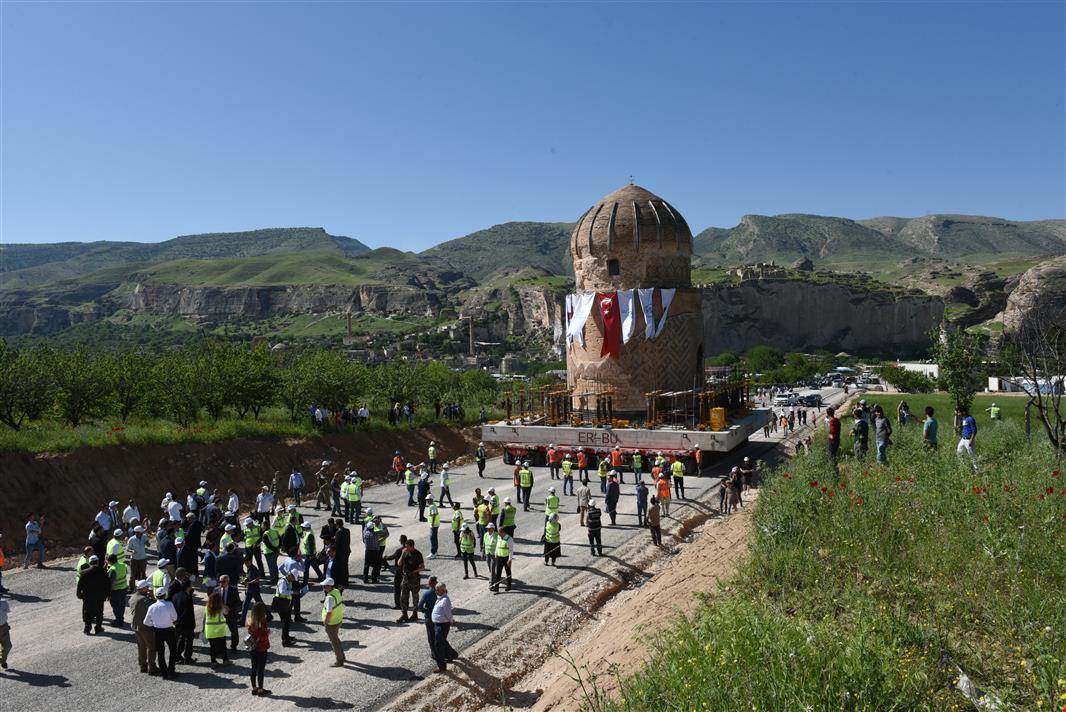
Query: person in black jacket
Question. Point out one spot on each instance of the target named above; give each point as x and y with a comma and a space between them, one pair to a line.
592, 522
165, 543
231, 599
290, 542
183, 602
188, 558
422, 495
342, 542
93, 589
194, 532
230, 564
98, 541
397, 579
642, 503
611, 498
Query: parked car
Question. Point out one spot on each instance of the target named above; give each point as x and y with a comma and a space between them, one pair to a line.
811, 400
784, 399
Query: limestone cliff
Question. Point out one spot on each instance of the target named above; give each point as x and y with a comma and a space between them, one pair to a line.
1040, 290
799, 315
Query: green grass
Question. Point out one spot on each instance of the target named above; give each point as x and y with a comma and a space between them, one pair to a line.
279, 269
1013, 407
864, 589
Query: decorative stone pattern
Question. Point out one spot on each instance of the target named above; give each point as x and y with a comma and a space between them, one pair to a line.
652, 245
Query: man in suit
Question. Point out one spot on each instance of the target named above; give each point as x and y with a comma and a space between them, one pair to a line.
230, 563
165, 543
194, 532
187, 557
231, 599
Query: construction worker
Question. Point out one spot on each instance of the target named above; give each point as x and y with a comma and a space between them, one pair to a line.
309, 550
642, 502
344, 498
295, 518
332, 617
93, 589
431, 455
568, 474
282, 604
410, 479
525, 481
117, 544
466, 547
457, 528
488, 548
662, 489
163, 575
397, 467
553, 462
617, 459
584, 496
601, 469
660, 461
594, 524
482, 456
507, 517
552, 532
994, 412
677, 469
227, 537
551, 502
253, 537
355, 497
445, 485
422, 495
638, 462
271, 549
136, 555
504, 555
494, 503
433, 518
118, 574
483, 514
82, 563
583, 466
145, 634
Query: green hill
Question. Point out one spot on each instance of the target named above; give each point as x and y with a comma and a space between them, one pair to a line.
29, 266
510, 246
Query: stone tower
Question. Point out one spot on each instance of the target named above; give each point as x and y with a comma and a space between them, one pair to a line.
634, 239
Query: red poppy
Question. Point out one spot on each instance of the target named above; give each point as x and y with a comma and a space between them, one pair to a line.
788, 476
859, 501
1049, 490
898, 478
1055, 473
823, 490
911, 480
814, 483
831, 493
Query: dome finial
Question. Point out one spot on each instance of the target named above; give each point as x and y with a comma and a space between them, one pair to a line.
631, 179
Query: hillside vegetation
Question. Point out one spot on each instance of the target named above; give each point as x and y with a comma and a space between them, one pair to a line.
880, 587
510, 246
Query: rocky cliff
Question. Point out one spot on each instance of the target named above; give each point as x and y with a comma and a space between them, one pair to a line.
797, 315
1040, 291
222, 303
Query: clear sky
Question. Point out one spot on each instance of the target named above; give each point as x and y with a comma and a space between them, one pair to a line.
410, 124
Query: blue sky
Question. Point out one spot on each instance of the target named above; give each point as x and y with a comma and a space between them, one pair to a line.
410, 124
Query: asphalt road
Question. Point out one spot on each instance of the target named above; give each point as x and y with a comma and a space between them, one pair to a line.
55, 666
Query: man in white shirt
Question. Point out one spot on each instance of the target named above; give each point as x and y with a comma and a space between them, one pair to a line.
264, 504
131, 514
136, 553
103, 518
443, 652
234, 502
161, 616
173, 509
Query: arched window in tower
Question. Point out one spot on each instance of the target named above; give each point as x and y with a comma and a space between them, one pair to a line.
613, 270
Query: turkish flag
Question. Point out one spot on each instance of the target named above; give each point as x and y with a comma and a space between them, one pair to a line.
612, 323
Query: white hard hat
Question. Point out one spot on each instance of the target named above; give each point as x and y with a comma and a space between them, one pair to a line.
552, 490
292, 507
203, 483
490, 525
118, 532
327, 581
554, 517
231, 527
143, 583
552, 445
114, 502
506, 500
526, 463
163, 562
305, 525
248, 521
444, 466
179, 540
747, 459
138, 530
161, 592
326, 463
94, 559
492, 490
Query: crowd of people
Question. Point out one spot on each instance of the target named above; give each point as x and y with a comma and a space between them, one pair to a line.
233, 573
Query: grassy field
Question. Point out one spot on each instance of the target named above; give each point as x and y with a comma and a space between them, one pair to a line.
1013, 407
876, 588
52, 436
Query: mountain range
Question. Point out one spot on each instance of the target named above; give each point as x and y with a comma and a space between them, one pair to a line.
48, 288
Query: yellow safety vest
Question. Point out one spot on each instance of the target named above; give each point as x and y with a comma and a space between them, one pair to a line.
308, 544
525, 478
677, 469
409, 477
215, 625
466, 544
335, 616
355, 491
568, 466
551, 532
121, 582
503, 549
490, 543
252, 535
457, 520
434, 517
551, 503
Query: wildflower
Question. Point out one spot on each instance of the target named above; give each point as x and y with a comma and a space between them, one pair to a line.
911, 480
898, 478
859, 501
1049, 490
831, 493
1041, 498
814, 483
1055, 473
824, 490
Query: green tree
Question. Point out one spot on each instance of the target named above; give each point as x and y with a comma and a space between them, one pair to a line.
130, 376
26, 386
960, 356
175, 386
255, 381
761, 359
83, 384
906, 381
726, 358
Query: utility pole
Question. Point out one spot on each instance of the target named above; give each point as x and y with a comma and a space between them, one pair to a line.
471, 319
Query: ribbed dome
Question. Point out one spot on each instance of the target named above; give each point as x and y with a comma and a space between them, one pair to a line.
631, 218
631, 238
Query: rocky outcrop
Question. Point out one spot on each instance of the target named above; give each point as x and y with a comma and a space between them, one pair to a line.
532, 312
1041, 291
223, 303
797, 315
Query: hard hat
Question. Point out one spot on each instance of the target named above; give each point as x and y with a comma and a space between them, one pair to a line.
747, 459
397, 452
143, 583
592, 502
163, 563
616, 447
551, 445
466, 527
203, 483
118, 532
492, 490
554, 517
114, 502
248, 521
327, 581
552, 490
231, 527
432, 442
506, 500
445, 466
326, 463
94, 559
490, 525
526, 463
410, 465
161, 592
305, 525
169, 496
481, 443
138, 530
179, 540
567, 456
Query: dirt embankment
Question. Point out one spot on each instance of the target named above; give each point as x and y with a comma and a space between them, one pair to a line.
69, 488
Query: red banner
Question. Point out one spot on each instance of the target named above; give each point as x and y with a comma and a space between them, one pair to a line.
612, 323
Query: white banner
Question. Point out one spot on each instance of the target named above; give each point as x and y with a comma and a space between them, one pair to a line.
582, 309
646, 296
626, 311
667, 297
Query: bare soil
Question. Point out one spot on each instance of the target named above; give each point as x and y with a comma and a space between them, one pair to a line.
68, 488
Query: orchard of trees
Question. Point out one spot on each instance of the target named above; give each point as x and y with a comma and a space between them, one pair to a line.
213, 379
